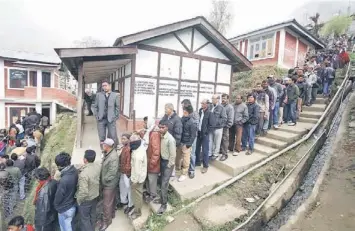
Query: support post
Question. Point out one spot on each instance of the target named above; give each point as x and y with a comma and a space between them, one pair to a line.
79, 105
39, 86
133, 82
53, 113
134, 120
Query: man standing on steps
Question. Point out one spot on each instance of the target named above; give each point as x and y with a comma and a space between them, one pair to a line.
250, 126
279, 93
241, 116
230, 119
292, 93
106, 110
88, 97
216, 136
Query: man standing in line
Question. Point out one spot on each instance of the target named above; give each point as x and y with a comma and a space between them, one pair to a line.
16, 175
250, 125
109, 181
20, 163
168, 156
88, 97
292, 93
229, 123
221, 119
271, 92
262, 99
241, 116
279, 93
64, 201
88, 191
106, 109
205, 127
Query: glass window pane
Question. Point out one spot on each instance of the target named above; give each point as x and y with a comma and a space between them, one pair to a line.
33, 78
270, 47
46, 79
251, 52
18, 78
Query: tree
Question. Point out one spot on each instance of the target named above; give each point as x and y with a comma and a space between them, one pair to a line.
338, 25
316, 25
88, 41
221, 15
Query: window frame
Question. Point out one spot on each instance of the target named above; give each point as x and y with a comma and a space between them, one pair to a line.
8, 77
260, 43
50, 78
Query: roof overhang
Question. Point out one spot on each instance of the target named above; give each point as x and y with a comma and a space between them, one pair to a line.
98, 62
237, 58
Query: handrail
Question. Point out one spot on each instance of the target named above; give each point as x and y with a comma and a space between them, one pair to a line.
270, 158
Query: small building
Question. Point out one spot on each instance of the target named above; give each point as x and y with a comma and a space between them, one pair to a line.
284, 44
30, 81
184, 60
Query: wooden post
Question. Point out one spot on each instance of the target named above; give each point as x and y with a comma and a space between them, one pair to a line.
79, 106
133, 82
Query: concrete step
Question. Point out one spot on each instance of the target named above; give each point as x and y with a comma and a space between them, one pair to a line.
307, 120
271, 142
201, 184
301, 128
237, 164
320, 100
155, 207
264, 149
311, 114
285, 136
315, 108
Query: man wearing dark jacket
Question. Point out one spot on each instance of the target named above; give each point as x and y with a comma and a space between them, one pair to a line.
229, 123
45, 213
278, 88
20, 163
216, 135
292, 93
174, 123
240, 118
250, 126
6, 186
205, 127
64, 201
189, 131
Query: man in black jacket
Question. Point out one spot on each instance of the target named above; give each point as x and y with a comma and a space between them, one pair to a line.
45, 214
229, 123
205, 127
64, 201
189, 131
174, 123
250, 126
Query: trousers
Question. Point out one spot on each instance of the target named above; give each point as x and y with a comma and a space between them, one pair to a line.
104, 127
152, 184
215, 142
204, 142
109, 204
225, 141
137, 198
182, 160
87, 212
165, 173
125, 190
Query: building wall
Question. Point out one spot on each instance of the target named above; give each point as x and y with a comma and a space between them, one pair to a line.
290, 50
302, 51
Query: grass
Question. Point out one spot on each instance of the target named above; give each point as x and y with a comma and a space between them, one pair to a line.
60, 138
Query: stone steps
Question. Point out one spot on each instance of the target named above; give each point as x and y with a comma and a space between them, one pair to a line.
285, 136
311, 114
315, 108
320, 100
237, 164
277, 144
263, 149
201, 184
307, 120
301, 128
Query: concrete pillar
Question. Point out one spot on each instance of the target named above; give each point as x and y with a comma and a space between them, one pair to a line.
2, 115
39, 108
282, 43
53, 113
2, 79
52, 79
243, 48
39, 85
296, 52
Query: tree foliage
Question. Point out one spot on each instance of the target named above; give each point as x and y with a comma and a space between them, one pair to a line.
316, 25
338, 25
88, 41
221, 15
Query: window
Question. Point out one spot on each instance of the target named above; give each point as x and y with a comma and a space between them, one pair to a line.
261, 47
33, 78
16, 113
18, 78
46, 79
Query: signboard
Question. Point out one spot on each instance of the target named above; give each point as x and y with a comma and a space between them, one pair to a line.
206, 91
220, 89
18, 78
168, 93
188, 91
144, 97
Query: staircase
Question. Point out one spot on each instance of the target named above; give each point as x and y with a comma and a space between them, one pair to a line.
273, 142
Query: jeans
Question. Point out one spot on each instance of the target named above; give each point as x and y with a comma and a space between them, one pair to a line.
66, 218
215, 142
193, 157
308, 93
326, 86
202, 140
248, 136
291, 111
87, 212
152, 184
276, 113
125, 190
22, 187
314, 94
260, 124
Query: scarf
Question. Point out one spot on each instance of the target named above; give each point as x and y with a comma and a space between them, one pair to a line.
135, 144
38, 188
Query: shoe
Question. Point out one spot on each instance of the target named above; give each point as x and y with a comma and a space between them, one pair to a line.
235, 153
161, 210
182, 178
135, 215
128, 210
223, 158
243, 149
198, 164
213, 157
204, 170
121, 206
276, 126
192, 175
157, 201
103, 227
249, 152
291, 124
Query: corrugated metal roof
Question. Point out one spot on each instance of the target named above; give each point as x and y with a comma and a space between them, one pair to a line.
28, 56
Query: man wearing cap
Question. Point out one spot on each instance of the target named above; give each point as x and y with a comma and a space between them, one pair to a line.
88, 191
109, 181
106, 110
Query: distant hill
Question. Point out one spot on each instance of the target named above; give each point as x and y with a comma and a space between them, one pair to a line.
326, 10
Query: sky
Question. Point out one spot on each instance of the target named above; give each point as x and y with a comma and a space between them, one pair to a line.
39, 25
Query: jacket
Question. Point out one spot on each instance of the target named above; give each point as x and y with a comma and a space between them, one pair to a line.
220, 116
125, 160
262, 99
21, 165
271, 92
174, 127
110, 170
31, 162
230, 115
139, 165
241, 115
88, 183
292, 93
45, 121
279, 90
254, 113
208, 122
153, 152
302, 89
6, 182
66, 189
113, 108
168, 149
189, 131
45, 212
15, 173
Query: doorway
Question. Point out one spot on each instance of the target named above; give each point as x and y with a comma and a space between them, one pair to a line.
46, 112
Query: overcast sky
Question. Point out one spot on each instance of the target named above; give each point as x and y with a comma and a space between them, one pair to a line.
41, 24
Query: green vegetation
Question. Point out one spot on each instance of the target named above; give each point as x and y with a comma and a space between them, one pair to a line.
60, 138
338, 25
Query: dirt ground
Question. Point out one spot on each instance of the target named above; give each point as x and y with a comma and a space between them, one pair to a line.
335, 210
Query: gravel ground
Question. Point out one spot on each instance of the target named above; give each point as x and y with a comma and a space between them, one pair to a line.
306, 188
